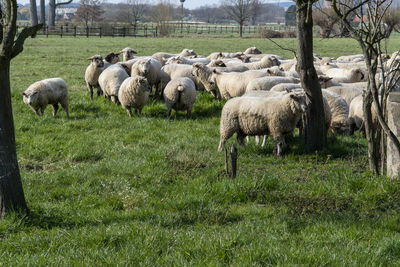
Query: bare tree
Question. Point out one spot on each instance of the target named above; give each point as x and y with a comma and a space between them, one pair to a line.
326, 20
256, 8
89, 10
42, 12
314, 126
33, 12
162, 13
369, 35
239, 11
11, 192
52, 10
392, 20
137, 9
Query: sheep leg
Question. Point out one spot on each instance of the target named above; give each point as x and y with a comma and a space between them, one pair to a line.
115, 99
247, 139
99, 91
129, 111
240, 138
189, 113
221, 144
42, 111
36, 111
55, 109
169, 113
264, 141
64, 105
279, 140
257, 138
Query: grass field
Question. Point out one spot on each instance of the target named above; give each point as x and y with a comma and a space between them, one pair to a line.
106, 189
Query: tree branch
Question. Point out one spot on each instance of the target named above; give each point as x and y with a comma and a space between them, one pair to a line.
25, 33
63, 3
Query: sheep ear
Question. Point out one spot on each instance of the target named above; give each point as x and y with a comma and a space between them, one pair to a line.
90, 58
134, 51
269, 71
23, 94
287, 90
281, 68
215, 71
117, 54
294, 96
34, 93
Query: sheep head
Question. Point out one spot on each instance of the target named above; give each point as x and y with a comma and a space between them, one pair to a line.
297, 102
252, 50
112, 57
97, 60
128, 53
188, 52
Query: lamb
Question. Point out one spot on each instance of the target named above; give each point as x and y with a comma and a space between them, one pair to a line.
110, 81
92, 74
127, 53
267, 82
346, 76
180, 94
161, 56
340, 112
346, 92
134, 93
184, 60
251, 116
149, 68
48, 91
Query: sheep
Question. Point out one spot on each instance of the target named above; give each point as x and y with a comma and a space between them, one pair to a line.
127, 53
162, 56
134, 93
252, 50
277, 71
340, 112
180, 94
216, 63
251, 116
182, 70
48, 91
184, 60
220, 55
281, 87
110, 81
164, 80
111, 58
267, 82
92, 74
351, 58
225, 85
265, 62
149, 68
345, 76
346, 92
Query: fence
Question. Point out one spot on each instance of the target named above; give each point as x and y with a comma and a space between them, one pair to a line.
165, 30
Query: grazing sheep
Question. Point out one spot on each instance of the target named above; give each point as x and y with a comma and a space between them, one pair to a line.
276, 116
220, 55
180, 71
345, 76
281, 87
252, 50
356, 115
216, 63
92, 74
340, 112
149, 68
267, 82
351, 58
127, 53
134, 93
110, 81
48, 91
346, 92
162, 56
180, 94
265, 62
277, 71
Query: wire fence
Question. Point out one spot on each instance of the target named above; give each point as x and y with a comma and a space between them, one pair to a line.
166, 30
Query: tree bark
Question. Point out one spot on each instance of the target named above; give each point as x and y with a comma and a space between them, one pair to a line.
33, 12
241, 29
314, 131
11, 191
52, 11
42, 12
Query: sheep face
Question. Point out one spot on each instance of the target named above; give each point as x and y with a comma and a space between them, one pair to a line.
325, 81
298, 102
97, 61
143, 83
112, 58
358, 74
340, 128
31, 99
172, 60
144, 67
188, 52
252, 50
128, 53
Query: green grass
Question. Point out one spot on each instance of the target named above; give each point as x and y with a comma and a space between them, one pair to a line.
106, 189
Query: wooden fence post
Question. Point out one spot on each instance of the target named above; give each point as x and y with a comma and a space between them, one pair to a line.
145, 30
100, 32
61, 31
47, 31
87, 31
74, 31
233, 161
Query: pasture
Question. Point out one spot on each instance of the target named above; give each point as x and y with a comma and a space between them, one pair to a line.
106, 189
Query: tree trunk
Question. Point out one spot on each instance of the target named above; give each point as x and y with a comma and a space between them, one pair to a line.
11, 192
42, 12
52, 13
241, 29
33, 12
314, 131
373, 156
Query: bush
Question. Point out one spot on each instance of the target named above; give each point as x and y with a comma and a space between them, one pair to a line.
267, 33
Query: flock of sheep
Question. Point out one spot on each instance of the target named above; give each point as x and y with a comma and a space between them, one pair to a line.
263, 90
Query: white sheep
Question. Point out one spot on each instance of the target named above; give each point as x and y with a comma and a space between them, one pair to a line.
134, 93
182, 70
127, 53
356, 115
348, 93
281, 87
188, 61
221, 55
92, 74
180, 94
162, 56
345, 76
267, 82
149, 68
265, 62
111, 79
225, 85
351, 58
340, 112
249, 116
48, 91
252, 50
